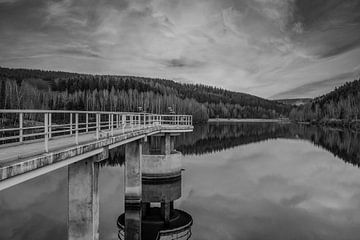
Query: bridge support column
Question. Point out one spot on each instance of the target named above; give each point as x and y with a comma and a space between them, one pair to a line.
146, 146
165, 211
133, 190
172, 143
145, 208
165, 145
83, 218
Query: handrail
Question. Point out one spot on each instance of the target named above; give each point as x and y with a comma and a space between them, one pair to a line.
75, 111
24, 125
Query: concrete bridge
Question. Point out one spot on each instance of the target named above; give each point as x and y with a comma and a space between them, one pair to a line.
36, 142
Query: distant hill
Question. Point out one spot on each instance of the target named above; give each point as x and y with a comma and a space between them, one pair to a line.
64, 90
340, 105
294, 101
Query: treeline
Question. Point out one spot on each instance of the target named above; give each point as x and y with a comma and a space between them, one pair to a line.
24, 88
342, 105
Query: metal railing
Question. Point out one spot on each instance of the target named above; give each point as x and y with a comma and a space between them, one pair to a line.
19, 126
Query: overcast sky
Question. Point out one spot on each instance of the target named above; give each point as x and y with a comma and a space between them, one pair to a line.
270, 48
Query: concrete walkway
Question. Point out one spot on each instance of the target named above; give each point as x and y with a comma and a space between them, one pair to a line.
25, 158
17, 152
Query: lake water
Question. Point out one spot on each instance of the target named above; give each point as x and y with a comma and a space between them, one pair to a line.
241, 181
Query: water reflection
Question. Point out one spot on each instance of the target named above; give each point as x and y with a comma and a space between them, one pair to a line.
159, 218
156, 218
209, 138
282, 187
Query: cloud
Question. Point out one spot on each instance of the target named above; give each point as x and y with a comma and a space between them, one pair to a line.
318, 88
183, 63
82, 50
251, 46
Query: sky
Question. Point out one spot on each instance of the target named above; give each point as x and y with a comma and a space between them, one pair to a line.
269, 48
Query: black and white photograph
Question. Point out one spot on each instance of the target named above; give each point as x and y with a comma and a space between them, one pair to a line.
179, 119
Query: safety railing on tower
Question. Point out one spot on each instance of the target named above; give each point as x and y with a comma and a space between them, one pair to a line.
24, 126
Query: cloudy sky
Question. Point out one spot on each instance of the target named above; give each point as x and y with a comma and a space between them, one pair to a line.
270, 48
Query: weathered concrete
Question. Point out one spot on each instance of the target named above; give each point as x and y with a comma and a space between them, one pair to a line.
100, 154
161, 165
62, 149
146, 147
165, 145
83, 218
161, 190
133, 190
165, 211
172, 143
133, 170
132, 230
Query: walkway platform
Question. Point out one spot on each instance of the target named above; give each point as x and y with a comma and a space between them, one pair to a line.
22, 158
27, 151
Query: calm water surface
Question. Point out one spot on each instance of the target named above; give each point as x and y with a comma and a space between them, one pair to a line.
242, 181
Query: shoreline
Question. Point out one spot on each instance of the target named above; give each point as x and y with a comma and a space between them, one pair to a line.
247, 120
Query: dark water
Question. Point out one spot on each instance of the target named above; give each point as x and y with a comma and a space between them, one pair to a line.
242, 181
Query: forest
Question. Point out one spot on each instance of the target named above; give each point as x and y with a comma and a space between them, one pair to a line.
339, 107
37, 89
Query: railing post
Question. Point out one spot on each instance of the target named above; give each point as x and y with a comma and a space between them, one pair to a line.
77, 128
132, 119
112, 123
87, 122
50, 123
117, 121
123, 122
46, 131
97, 126
71, 124
109, 122
21, 121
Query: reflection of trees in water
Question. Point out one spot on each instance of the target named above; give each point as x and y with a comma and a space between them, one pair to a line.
342, 143
216, 137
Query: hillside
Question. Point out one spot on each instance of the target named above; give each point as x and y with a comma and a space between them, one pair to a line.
25, 88
340, 105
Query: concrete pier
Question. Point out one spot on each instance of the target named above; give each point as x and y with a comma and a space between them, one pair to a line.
132, 221
165, 211
133, 190
165, 145
83, 218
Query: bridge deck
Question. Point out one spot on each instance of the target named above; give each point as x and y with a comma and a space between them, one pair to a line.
21, 152
65, 137
19, 160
